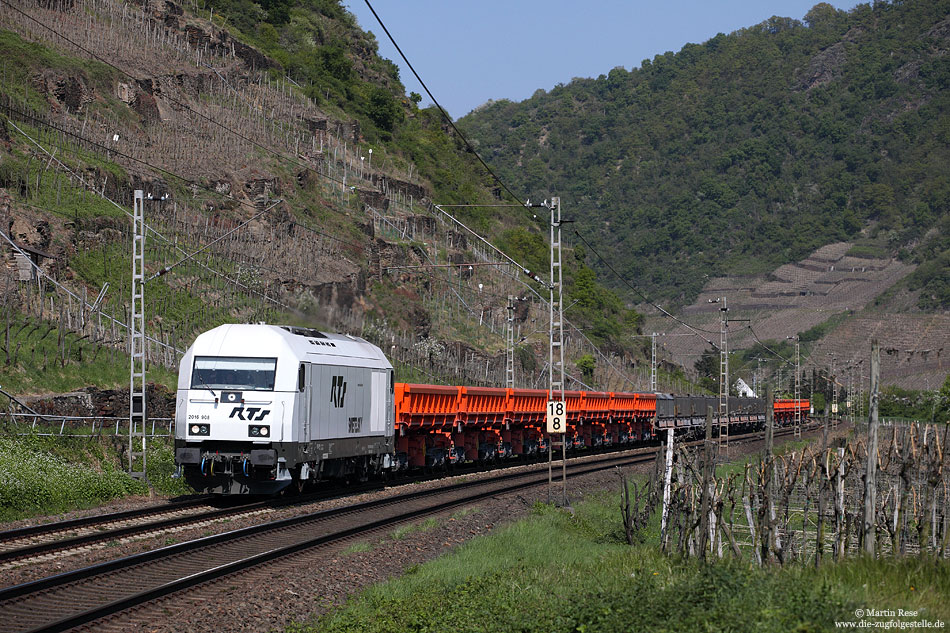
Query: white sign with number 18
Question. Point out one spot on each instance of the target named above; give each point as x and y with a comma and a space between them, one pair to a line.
557, 416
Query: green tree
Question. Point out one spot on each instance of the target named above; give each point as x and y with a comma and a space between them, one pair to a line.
941, 411
707, 366
384, 110
586, 365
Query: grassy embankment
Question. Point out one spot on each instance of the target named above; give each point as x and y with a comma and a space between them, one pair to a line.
554, 571
42, 475
46, 474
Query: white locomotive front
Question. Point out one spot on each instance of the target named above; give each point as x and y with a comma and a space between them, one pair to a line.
261, 407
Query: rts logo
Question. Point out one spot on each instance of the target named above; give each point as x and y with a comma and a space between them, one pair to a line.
338, 391
250, 411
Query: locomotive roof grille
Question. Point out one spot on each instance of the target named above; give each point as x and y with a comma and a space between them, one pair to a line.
304, 331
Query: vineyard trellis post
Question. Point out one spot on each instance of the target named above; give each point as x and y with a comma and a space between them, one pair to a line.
667, 482
709, 469
823, 478
766, 509
870, 477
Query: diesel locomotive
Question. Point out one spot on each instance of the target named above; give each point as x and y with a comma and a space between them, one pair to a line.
260, 407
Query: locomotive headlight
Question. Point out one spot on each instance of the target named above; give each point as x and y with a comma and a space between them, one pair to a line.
200, 429
258, 431
264, 431
195, 429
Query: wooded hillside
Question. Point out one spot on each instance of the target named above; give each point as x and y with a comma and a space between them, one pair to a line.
752, 149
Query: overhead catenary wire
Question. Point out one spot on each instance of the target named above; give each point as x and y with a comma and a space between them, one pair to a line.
148, 228
788, 362
82, 302
439, 276
445, 114
192, 256
695, 330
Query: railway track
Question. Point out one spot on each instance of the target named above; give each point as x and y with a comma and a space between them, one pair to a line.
91, 594
47, 536
47, 540
53, 539
74, 598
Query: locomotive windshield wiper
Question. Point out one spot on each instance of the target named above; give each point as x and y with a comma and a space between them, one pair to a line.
208, 388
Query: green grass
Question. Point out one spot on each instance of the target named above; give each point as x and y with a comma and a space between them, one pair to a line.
39, 478
33, 362
111, 263
403, 531
357, 548
50, 474
25, 58
869, 249
555, 571
50, 190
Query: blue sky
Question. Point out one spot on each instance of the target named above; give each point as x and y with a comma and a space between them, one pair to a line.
470, 51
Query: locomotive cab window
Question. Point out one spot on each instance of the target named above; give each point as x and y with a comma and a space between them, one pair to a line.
229, 372
301, 378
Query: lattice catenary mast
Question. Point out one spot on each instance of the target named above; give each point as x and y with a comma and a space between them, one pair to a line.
137, 435
556, 330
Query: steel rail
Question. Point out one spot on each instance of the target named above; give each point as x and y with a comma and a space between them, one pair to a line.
16, 534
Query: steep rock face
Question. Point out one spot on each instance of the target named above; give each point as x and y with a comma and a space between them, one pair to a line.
67, 91
825, 66
95, 402
213, 144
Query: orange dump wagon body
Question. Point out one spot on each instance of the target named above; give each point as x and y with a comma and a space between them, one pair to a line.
596, 406
784, 408
623, 406
527, 406
426, 406
485, 406
646, 405
575, 401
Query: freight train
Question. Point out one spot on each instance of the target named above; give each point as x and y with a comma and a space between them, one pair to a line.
263, 407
